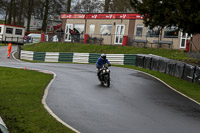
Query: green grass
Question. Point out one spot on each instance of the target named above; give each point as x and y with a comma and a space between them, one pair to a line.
20, 107
88, 48
2, 44
191, 90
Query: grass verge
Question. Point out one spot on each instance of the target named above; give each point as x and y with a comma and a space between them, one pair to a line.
89, 48
20, 107
189, 89
1, 44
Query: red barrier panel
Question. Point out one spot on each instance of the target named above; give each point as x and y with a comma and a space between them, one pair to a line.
187, 45
86, 38
42, 37
125, 40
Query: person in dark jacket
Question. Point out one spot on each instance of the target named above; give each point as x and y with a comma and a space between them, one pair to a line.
72, 34
100, 62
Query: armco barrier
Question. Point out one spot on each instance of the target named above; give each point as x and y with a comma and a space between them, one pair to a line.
81, 58
51, 57
120, 59
152, 62
27, 55
116, 58
171, 66
189, 72
162, 63
93, 57
129, 59
197, 75
147, 61
179, 69
155, 63
39, 56
65, 57
139, 60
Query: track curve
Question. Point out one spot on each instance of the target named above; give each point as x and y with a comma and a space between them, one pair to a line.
135, 102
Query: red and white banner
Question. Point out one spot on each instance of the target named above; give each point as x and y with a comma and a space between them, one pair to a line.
73, 16
101, 16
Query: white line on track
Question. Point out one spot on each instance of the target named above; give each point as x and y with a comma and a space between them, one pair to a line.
45, 96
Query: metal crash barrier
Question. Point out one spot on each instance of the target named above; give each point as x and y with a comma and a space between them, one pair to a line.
168, 66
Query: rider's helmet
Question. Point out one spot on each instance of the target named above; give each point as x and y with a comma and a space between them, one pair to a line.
103, 56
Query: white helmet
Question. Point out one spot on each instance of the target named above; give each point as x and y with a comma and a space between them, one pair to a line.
103, 56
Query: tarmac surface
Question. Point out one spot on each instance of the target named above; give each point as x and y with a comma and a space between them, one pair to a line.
134, 103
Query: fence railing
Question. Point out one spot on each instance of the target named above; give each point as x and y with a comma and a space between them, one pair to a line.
120, 59
157, 63
168, 66
11, 39
117, 39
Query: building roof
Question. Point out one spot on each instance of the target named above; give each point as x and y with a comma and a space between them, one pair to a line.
13, 25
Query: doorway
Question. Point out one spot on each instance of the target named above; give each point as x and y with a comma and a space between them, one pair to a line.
68, 35
119, 33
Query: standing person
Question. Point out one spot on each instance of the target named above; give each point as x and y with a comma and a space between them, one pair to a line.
77, 35
9, 49
72, 34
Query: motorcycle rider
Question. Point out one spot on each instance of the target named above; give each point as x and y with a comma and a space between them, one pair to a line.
100, 62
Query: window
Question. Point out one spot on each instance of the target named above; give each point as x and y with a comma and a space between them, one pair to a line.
105, 29
18, 32
9, 30
0, 29
91, 30
139, 29
171, 32
153, 33
79, 27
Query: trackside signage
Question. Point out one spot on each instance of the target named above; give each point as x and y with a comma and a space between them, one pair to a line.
73, 16
101, 16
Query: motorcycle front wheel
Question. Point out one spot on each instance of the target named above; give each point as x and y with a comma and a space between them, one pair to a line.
107, 81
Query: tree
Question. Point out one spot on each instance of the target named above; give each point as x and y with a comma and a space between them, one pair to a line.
29, 13
88, 6
44, 23
160, 13
10, 12
51, 10
107, 5
68, 5
120, 6
15, 11
20, 13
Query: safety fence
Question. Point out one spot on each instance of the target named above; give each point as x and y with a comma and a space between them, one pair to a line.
119, 59
168, 66
12, 39
119, 39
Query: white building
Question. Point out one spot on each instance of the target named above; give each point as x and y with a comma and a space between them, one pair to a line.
12, 33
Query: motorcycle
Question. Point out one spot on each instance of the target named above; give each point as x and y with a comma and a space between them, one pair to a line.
104, 76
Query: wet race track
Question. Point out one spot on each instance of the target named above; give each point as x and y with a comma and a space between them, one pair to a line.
134, 103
